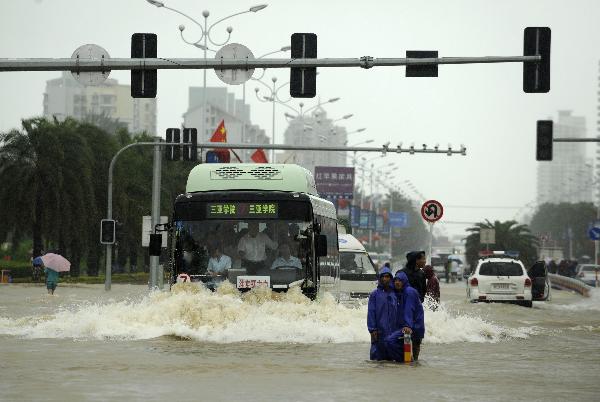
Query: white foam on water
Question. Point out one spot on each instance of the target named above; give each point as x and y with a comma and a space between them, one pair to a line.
226, 317
443, 326
591, 303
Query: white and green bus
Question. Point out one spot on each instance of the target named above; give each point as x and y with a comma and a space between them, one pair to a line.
267, 222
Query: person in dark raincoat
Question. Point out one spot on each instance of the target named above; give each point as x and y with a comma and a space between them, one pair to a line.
415, 260
410, 320
382, 314
433, 284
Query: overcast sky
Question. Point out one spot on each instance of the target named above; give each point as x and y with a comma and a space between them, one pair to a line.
481, 106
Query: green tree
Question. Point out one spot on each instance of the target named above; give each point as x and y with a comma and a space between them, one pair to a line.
30, 191
559, 221
413, 237
509, 236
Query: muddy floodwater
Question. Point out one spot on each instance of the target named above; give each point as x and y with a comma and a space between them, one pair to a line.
128, 345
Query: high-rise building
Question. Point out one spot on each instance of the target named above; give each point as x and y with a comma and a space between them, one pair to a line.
66, 97
222, 105
568, 178
315, 129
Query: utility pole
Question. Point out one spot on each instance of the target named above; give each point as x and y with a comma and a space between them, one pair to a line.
390, 223
155, 219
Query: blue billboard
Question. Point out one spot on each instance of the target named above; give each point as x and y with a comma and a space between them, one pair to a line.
398, 219
364, 218
354, 216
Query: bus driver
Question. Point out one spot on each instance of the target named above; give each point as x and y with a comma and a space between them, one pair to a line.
286, 260
252, 248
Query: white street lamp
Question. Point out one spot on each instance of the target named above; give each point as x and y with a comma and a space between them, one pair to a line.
202, 42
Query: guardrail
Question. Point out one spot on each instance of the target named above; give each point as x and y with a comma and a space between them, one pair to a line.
563, 282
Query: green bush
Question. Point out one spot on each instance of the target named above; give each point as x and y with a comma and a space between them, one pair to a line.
18, 269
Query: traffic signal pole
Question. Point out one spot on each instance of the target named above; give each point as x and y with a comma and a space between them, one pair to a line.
106, 64
155, 202
155, 219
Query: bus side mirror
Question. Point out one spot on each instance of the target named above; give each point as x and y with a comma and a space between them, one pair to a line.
155, 245
321, 245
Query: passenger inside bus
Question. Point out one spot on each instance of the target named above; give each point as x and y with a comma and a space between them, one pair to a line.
250, 249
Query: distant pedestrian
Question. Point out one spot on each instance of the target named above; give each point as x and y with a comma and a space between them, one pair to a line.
447, 271
51, 276
433, 286
415, 260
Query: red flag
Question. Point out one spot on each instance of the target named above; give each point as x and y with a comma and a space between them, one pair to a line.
259, 156
220, 134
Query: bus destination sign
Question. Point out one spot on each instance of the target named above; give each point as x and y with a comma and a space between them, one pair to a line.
228, 210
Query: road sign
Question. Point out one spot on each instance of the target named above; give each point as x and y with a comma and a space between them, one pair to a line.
234, 51
432, 211
398, 219
90, 52
594, 231
487, 236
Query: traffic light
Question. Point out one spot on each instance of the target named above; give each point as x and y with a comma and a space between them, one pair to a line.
544, 140
173, 152
107, 231
303, 81
190, 152
143, 82
536, 75
423, 70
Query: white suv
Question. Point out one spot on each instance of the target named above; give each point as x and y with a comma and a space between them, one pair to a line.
501, 279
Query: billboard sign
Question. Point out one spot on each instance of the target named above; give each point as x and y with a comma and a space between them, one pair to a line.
364, 218
372, 220
335, 182
354, 216
379, 223
398, 219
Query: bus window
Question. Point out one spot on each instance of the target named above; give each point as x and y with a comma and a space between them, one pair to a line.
278, 249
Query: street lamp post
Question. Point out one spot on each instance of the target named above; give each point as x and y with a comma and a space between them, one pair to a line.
202, 42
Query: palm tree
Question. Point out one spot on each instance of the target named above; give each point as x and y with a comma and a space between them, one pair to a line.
30, 181
509, 236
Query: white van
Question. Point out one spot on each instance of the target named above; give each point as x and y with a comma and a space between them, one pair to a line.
357, 272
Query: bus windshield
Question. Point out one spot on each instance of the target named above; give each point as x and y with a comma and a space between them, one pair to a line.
214, 250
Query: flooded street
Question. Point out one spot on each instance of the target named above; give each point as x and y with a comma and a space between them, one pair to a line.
87, 345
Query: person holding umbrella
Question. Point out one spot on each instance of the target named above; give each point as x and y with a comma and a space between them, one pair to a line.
53, 264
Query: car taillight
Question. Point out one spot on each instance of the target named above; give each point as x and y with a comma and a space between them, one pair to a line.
527, 282
474, 282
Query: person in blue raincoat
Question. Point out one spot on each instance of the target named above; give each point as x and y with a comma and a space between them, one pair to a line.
410, 319
382, 314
